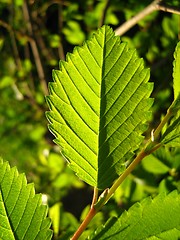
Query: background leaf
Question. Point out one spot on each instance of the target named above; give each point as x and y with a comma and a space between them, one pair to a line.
99, 105
157, 218
22, 215
152, 164
171, 136
176, 71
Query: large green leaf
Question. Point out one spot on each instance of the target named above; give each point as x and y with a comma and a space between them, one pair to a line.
22, 215
150, 219
99, 102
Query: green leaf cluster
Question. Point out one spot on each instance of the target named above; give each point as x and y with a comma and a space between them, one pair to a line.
99, 104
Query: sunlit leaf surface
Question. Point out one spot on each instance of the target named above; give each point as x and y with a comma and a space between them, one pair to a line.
99, 102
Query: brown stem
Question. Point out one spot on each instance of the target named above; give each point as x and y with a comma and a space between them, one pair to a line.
60, 27
90, 215
15, 50
156, 5
95, 196
170, 9
14, 44
123, 176
84, 224
35, 50
102, 19
47, 53
19, 34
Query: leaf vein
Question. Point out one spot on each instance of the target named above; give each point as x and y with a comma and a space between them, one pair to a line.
75, 122
74, 65
88, 68
93, 56
127, 101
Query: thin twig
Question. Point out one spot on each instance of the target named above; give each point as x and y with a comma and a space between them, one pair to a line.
15, 50
46, 5
17, 58
18, 34
156, 5
95, 196
14, 45
102, 19
14, 33
129, 169
170, 9
46, 52
124, 175
35, 50
90, 215
5, 25
60, 27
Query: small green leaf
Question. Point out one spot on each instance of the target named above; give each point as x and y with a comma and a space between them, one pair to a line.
74, 33
157, 218
99, 103
22, 215
171, 135
176, 71
154, 165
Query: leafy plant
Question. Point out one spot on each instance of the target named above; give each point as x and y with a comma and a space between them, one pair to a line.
99, 103
99, 108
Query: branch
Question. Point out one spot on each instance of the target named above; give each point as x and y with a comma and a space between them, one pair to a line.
14, 45
90, 215
60, 27
166, 8
18, 34
102, 19
35, 50
156, 5
46, 52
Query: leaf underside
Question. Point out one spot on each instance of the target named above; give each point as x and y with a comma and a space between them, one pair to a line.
150, 219
99, 104
22, 215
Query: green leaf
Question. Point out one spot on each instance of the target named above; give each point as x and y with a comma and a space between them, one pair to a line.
154, 165
22, 215
176, 71
99, 103
73, 33
171, 137
157, 218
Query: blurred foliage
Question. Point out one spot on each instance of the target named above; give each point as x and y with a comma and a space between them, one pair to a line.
34, 35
